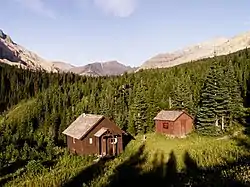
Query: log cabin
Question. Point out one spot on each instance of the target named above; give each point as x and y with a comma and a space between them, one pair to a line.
94, 135
174, 123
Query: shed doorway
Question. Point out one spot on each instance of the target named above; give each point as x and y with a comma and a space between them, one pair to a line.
109, 146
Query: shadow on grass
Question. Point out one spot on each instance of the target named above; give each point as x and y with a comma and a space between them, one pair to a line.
87, 174
5, 172
129, 170
12, 168
130, 173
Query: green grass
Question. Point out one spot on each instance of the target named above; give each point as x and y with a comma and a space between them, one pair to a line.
207, 152
66, 167
21, 111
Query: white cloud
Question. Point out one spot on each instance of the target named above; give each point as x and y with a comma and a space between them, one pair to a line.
37, 6
120, 8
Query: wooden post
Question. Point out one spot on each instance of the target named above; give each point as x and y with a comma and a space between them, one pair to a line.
222, 123
216, 122
144, 138
104, 141
170, 102
113, 137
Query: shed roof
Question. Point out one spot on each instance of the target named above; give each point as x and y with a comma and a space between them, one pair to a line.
101, 132
170, 115
82, 125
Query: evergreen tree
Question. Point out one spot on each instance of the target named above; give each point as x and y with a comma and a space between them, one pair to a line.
138, 111
222, 100
236, 102
181, 97
152, 110
214, 102
58, 99
121, 107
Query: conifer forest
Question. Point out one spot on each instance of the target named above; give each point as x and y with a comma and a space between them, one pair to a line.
35, 107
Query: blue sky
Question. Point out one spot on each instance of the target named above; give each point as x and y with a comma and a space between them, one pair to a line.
130, 31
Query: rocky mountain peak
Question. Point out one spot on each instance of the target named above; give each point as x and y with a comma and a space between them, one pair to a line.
221, 46
14, 54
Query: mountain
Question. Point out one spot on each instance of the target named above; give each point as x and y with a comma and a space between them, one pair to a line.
102, 69
62, 66
220, 46
14, 54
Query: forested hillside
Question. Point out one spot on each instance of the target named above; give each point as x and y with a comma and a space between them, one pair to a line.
215, 91
18, 84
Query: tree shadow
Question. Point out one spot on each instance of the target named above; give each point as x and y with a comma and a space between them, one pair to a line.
130, 173
243, 142
87, 174
127, 173
13, 167
209, 176
126, 138
10, 169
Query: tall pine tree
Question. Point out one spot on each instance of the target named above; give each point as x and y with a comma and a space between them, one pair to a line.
214, 102
236, 101
138, 111
181, 97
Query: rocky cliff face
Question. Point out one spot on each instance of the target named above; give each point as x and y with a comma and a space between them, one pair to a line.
14, 54
221, 46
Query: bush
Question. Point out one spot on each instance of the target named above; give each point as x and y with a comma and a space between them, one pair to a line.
35, 167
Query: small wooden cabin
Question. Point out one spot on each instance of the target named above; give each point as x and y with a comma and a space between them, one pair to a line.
174, 123
94, 135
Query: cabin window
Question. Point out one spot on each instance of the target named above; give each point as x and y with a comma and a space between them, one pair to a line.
165, 125
74, 140
90, 141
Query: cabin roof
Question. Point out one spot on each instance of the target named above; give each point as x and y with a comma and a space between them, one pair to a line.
170, 115
101, 132
82, 125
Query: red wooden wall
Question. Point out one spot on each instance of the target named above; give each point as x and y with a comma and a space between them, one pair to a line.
180, 127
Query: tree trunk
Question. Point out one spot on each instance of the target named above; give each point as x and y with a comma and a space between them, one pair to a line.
216, 122
222, 123
170, 102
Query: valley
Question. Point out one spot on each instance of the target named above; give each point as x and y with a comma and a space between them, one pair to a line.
124, 93
36, 107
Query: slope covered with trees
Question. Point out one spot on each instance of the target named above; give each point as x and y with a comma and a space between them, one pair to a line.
214, 90
18, 84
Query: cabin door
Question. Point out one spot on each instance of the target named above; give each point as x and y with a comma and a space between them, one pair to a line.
109, 146
103, 146
112, 146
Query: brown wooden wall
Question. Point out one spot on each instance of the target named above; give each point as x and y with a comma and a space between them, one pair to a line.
83, 147
161, 129
188, 121
175, 127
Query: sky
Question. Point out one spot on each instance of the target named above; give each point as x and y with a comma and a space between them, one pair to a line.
129, 31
